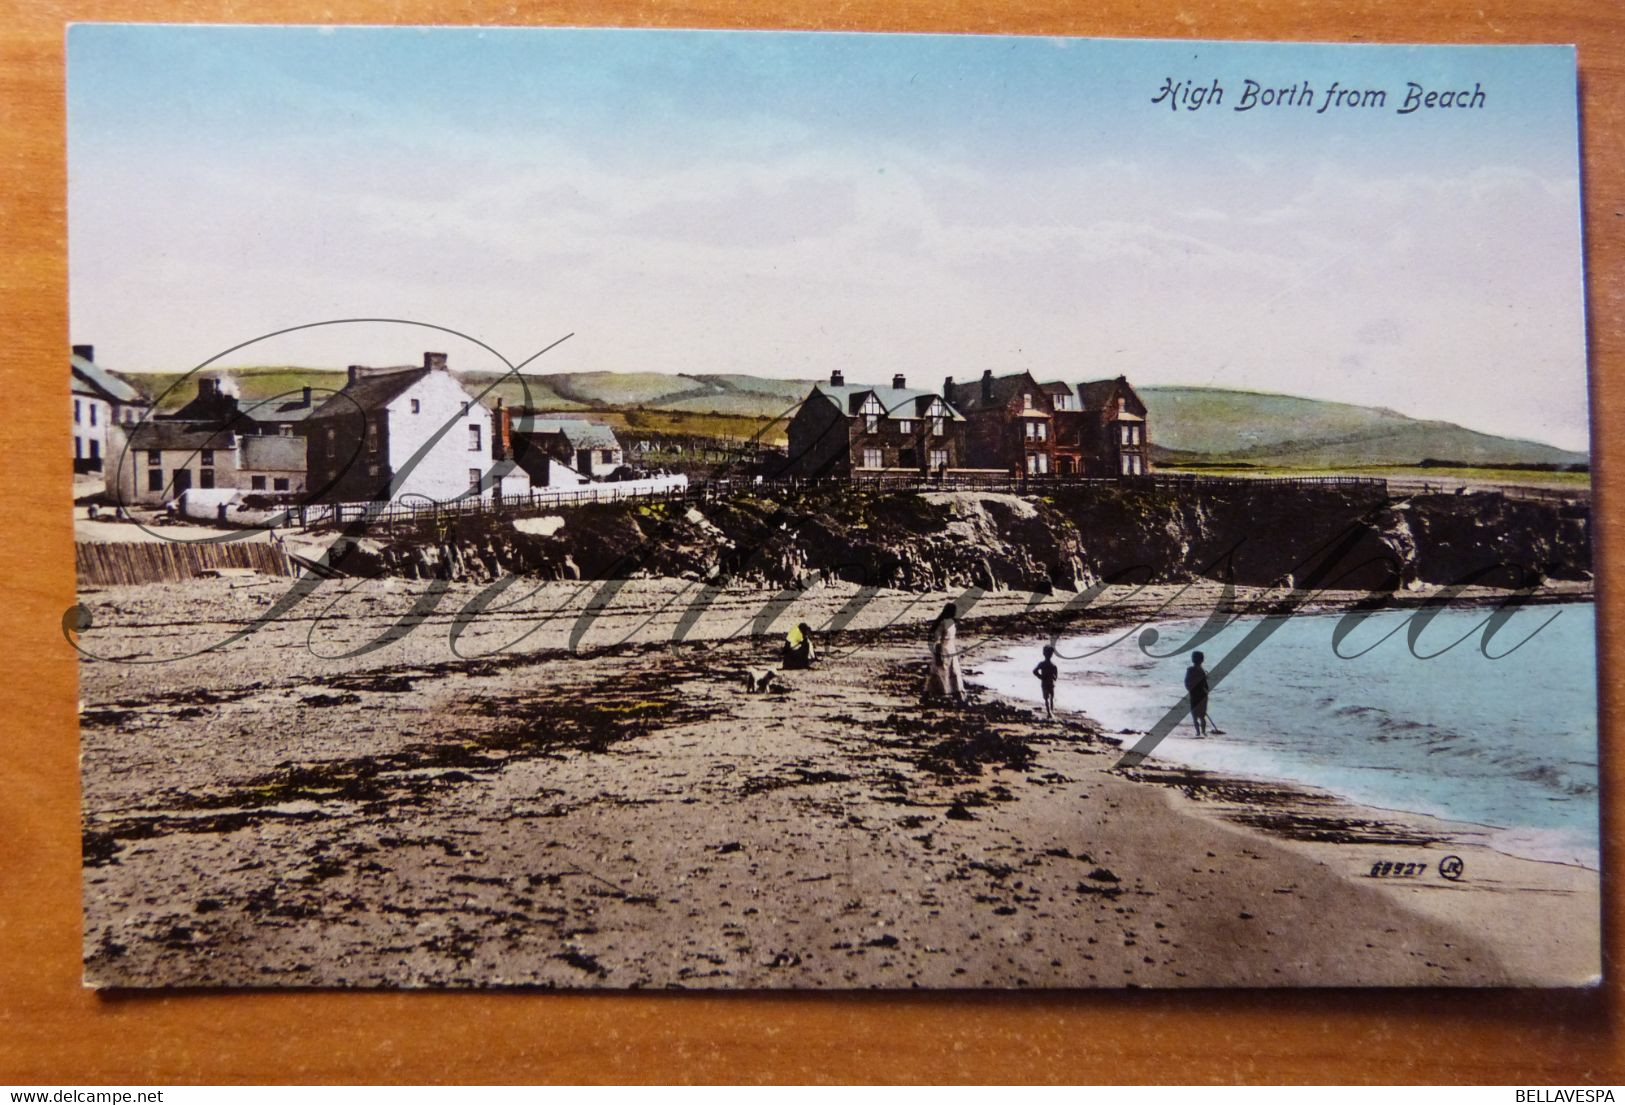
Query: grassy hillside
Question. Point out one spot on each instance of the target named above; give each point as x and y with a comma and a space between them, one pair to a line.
1286, 431
1188, 425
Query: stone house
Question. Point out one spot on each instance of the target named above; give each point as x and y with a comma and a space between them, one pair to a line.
404, 432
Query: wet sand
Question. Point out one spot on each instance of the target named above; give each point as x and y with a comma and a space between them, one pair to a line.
303, 808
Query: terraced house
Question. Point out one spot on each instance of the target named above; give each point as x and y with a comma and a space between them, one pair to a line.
846, 429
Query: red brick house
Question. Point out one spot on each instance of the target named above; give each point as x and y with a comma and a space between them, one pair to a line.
857, 429
1010, 422
1100, 429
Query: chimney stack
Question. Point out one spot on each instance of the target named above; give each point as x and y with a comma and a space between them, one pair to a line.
207, 387
434, 360
899, 381
355, 372
837, 378
987, 385
948, 388
85, 352
307, 395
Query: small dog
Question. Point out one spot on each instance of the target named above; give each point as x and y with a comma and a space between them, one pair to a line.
759, 680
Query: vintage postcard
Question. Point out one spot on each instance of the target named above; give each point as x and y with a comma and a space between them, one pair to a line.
607, 508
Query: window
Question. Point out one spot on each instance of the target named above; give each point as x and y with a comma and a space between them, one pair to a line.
607, 456
207, 456
872, 458
473, 479
155, 480
93, 414
280, 483
95, 449
1038, 464
76, 412
871, 416
905, 426
257, 483
154, 457
78, 448
417, 406
1043, 430
372, 437
285, 430
1026, 401
939, 459
205, 479
474, 438
936, 427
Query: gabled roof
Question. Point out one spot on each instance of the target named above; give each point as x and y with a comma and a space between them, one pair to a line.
895, 402
273, 451
190, 436
103, 382
370, 391
579, 432
1055, 387
1095, 394
968, 396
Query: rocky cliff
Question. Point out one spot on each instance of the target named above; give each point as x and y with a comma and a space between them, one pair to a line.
1069, 537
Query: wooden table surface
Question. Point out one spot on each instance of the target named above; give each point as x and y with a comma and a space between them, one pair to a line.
54, 1033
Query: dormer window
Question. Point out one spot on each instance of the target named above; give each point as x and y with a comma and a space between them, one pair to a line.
871, 415
1026, 401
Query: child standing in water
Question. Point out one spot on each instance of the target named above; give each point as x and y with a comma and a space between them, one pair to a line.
1196, 687
1047, 673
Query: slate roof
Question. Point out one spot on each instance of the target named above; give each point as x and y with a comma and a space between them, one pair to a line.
283, 408
100, 380
968, 396
896, 402
179, 435
1095, 394
370, 392
579, 432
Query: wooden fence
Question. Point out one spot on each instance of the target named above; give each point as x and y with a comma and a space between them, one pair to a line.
104, 564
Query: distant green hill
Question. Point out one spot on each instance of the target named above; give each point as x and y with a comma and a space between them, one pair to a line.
1188, 424
1286, 431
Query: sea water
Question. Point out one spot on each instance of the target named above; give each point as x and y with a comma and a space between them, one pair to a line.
1468, 734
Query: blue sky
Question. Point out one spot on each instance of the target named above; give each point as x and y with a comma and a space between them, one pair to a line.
785, 204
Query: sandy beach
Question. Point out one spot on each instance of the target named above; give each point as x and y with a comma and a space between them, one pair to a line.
499, 789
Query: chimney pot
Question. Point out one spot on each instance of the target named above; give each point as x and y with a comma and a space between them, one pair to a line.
306, 390
434, 360
837, 378
899, 381
86, 352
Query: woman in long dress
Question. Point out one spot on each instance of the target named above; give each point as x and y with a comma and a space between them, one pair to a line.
942, 674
